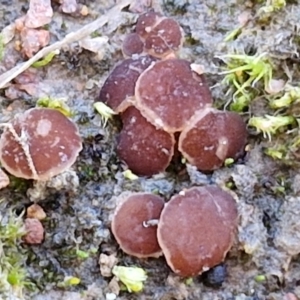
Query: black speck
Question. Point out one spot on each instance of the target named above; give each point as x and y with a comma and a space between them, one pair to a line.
215, 276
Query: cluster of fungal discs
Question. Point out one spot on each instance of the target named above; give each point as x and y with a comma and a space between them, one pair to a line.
39, 144
194, 230
161, 97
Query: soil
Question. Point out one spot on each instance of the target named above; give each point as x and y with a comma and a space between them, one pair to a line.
264, 262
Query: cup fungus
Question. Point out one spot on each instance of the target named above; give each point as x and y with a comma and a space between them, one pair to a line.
168, 93
212, 136
34, 231
120, 83
39, 144
196, 229
132, 44
165, 38
129, 224
173, 96
161, 35
145, 149
146, 22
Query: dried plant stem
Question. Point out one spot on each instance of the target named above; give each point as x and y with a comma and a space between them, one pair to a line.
23, 141
150, 223
69, 38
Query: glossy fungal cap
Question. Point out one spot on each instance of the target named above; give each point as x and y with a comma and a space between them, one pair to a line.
129, 224
165, 38
211, 137
145, 149
132, 44
120, 83
196, 229
46, 138
168, 93
160, 34
146, 22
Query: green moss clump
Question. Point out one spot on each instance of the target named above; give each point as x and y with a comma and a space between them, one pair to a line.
13, 279
1, 47
244, 75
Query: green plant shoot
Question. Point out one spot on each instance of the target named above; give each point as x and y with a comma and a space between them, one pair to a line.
129, 175
69, 281
131, 277
233, 34
246, 71
243, 72
269, 125
1, 47
291, 95
106, 112
46, 60
58, 104
272, 6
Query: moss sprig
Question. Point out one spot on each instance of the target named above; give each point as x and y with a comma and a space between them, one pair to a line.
13, 276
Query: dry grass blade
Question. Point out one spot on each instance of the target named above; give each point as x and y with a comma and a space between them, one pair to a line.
69, 38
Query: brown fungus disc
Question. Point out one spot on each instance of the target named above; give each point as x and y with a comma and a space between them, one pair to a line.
162, 36
120, 83
132, 44
39, 144
146, 22
145, 149
168, 93
196, 229
34, 231
131, 226
165, 38
211, 137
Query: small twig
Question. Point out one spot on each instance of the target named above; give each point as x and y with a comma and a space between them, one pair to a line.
69, 38
150, 223
22, 140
